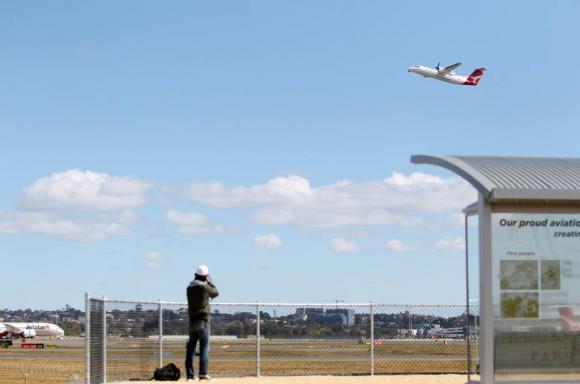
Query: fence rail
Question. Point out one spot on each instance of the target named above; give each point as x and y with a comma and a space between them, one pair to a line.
127, 340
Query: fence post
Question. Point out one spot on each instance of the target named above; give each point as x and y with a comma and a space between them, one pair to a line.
87, 338
104, 339
160, 334
410, 323
372, 339
257, 339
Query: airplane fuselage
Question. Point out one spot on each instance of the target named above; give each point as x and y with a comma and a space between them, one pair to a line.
30, 330
450, 77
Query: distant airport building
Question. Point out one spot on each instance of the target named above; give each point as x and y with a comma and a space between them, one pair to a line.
325, 316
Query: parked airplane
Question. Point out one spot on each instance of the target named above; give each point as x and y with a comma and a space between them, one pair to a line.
447, 74
30, 330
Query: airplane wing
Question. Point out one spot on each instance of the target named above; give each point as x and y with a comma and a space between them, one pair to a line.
451, 68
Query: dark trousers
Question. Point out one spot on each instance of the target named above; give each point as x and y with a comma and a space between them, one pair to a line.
198, 331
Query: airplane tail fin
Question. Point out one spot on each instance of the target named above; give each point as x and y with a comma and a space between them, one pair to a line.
475, 76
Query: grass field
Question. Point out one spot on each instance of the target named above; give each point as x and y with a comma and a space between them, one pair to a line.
134, 359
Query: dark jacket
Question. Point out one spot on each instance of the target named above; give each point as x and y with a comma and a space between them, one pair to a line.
198, 295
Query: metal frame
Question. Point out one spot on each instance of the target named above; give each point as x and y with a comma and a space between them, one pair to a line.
104, 338
486, 331
87, 338
258, 339
514, 178
473, 176
467, 296
160, 334
372, 324
469, 211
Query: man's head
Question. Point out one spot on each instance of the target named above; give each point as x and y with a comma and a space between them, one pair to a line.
202, 272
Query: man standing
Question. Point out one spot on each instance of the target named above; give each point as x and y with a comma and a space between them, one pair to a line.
199, 291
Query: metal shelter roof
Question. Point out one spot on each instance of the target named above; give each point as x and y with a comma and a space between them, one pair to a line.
514, 178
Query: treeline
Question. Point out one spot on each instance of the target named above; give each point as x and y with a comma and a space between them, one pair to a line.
137, 322
146, 323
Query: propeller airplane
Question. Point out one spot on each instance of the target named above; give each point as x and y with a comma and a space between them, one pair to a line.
448, 74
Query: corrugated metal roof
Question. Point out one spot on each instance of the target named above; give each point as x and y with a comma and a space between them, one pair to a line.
514, 178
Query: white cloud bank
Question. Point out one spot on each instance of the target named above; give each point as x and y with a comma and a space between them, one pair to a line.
76, 205
399, 199
89, 205
397, 246
341, 245
268, 241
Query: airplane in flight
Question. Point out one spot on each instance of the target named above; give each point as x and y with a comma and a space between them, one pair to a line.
447, 74
30, 330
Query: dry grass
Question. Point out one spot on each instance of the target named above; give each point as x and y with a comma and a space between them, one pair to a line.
137, 360
40, 371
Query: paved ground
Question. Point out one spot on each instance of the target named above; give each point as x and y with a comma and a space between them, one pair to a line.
386, 379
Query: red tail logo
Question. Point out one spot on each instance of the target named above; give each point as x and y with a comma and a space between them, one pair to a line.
474, 78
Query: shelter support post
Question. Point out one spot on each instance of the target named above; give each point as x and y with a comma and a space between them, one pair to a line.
486, 340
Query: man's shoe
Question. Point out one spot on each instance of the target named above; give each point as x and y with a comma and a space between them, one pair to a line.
192, 379
206, 377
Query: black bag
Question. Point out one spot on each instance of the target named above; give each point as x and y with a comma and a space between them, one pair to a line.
167, 373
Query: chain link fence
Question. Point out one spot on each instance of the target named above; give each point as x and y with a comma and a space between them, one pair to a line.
96, 340
128, 340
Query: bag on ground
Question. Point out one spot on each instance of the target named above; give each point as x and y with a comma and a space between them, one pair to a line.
170, 372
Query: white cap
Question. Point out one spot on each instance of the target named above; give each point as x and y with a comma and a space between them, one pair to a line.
202, 270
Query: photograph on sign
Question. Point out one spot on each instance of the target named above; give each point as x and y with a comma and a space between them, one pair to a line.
518, 274
550, 274
519, 305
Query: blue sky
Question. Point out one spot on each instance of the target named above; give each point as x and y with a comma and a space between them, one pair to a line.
269, 140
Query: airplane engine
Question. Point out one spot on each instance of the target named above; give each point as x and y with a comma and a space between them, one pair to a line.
28, 334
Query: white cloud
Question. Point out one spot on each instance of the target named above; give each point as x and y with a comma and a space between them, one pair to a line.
397, 246
61, 226
341, 245
153, 256
457, 219
448, 244
83, 190
291, 189
153, 260
7, 227
357, 234
153, 265
128, 216
268, 241
202, 230
398, 199
76, 205
188, 219
191, 223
